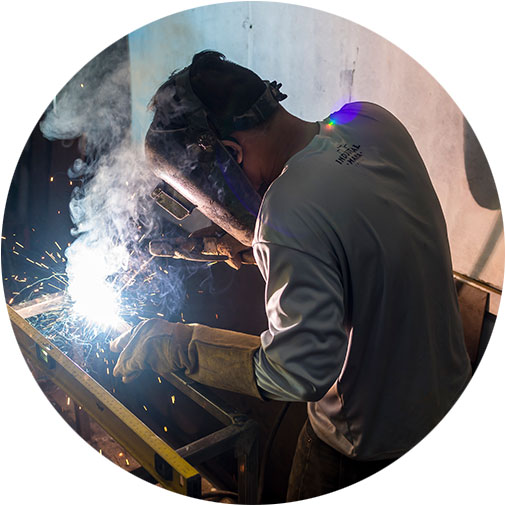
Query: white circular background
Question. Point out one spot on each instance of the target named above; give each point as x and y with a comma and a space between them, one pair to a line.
45, 43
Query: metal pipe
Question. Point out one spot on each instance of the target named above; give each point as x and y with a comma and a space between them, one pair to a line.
486, 287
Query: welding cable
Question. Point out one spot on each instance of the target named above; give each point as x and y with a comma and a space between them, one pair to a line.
215, 494
267, 450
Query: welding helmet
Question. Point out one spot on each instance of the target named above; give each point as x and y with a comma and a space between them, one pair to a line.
184, 149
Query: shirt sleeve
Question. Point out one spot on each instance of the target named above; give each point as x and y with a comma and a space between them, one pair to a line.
305, 346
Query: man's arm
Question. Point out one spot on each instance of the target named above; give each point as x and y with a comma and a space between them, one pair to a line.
297, 358
304, 349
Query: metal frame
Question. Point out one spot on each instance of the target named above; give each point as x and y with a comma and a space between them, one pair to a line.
173, 469
240, 433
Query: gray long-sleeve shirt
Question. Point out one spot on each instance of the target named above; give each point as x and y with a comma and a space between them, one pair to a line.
363, 314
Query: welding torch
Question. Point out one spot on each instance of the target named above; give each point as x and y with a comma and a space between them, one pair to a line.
210, 244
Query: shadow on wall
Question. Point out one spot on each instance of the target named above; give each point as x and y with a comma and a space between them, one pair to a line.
478, 173
482, 187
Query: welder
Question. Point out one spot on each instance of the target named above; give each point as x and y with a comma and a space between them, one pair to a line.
348, 233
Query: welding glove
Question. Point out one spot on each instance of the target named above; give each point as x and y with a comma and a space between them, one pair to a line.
226, 245
207, 244
214, 357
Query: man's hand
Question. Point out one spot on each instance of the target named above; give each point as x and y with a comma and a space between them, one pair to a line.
119, 344
224, 245
154, 344
215, 357
207, 244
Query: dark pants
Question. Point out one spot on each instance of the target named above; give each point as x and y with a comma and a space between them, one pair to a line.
318, 468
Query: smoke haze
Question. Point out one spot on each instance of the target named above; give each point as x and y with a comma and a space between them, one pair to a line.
111, 209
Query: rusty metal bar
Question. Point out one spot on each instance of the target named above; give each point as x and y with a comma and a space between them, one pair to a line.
487, 287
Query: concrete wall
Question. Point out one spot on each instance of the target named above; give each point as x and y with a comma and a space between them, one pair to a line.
323, 62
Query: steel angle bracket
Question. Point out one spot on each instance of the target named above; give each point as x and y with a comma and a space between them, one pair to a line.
160, 460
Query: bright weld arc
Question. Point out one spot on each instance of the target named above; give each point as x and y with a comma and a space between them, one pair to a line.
93, 297
97, 302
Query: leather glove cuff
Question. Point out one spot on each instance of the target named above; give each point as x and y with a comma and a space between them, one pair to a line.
215, 357
223, 359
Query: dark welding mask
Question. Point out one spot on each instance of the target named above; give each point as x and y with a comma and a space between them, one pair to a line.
184, 149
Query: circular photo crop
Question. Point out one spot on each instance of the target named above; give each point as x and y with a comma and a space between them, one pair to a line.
252, 253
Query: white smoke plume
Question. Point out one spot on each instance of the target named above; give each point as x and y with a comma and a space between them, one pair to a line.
111, 210
94, 103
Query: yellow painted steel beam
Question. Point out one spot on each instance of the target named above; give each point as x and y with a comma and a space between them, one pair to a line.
154, 454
